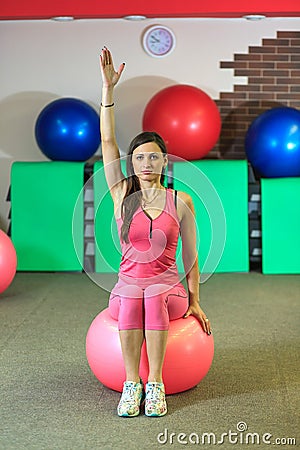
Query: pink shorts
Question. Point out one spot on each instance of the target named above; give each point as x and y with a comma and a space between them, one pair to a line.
151, 308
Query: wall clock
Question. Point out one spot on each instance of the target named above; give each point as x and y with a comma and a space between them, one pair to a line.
159, 41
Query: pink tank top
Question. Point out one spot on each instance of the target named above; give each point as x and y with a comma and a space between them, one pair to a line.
150, 256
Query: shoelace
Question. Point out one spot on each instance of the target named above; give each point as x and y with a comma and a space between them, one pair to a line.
155, 392
128, 394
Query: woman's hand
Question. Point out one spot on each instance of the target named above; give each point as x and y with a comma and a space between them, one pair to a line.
109, 76
196, 311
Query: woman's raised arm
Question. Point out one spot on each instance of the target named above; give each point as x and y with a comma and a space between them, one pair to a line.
110, 149
190, 260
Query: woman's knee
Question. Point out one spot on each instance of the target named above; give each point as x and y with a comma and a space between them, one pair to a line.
156, 312
164, 303
131, 313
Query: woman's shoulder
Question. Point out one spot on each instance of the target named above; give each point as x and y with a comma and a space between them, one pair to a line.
184, 203
184, 197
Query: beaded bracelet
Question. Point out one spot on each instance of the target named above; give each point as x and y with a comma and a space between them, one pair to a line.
107, 106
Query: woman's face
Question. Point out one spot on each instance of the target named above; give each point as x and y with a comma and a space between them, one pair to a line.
148, 161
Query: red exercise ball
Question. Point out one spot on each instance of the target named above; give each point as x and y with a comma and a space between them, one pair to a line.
187, 119
188, 356
8, 261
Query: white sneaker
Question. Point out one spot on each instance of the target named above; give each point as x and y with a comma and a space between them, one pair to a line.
155, 403
132, 395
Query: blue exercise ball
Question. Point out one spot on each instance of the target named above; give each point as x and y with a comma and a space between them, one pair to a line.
68, 129
272, 143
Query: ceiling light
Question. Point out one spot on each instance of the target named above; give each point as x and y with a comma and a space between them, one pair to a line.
135, 17
254, 17
63, 18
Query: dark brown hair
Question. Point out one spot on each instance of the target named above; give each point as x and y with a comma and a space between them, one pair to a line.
133, 195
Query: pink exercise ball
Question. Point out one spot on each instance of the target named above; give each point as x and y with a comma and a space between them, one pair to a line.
8, 261
188, 357
187, 119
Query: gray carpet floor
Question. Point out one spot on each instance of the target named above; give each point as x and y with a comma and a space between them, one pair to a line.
51, 400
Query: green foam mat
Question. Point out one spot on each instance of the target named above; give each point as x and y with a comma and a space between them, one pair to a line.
280, 210
219, 190
44, 226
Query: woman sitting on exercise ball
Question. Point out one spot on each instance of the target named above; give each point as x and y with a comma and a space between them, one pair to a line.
150, 218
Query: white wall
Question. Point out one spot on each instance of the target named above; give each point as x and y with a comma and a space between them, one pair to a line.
44, 60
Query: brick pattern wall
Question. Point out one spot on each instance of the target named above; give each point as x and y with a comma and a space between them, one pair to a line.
273, 72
